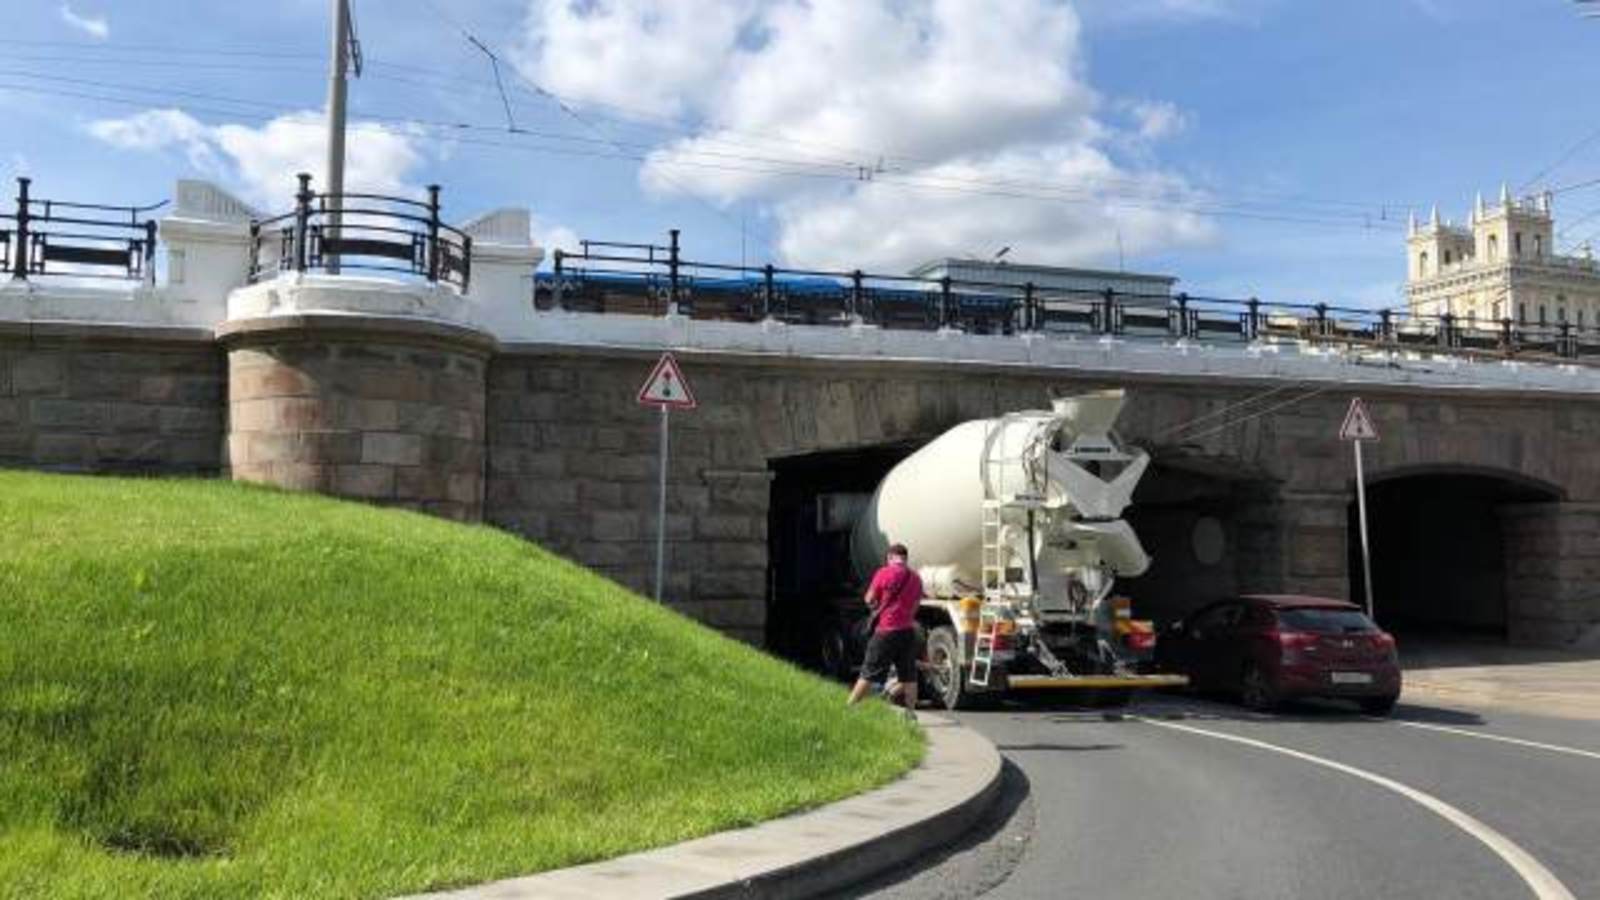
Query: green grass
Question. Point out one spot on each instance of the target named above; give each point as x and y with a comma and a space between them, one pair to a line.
213, 690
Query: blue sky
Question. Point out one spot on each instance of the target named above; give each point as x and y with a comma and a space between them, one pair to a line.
1268, 147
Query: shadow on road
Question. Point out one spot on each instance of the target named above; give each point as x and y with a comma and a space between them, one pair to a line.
1060, 748
978, 861
1212, 708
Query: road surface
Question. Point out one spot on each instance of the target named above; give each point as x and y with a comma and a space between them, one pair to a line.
1195, 799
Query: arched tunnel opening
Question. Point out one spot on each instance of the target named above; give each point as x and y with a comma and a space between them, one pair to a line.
1184, 511
1439, 555
813, 505
1187, 514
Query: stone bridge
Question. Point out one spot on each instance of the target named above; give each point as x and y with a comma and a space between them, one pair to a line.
1484, 490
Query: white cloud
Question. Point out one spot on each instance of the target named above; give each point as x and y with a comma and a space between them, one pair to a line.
262, 161
1157, 12
938, 109
1156, 119
552, 236
96, 27
640, 54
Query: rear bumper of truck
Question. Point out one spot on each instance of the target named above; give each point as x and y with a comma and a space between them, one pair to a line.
1093, 682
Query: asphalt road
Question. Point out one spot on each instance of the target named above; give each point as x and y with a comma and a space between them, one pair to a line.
1195, 799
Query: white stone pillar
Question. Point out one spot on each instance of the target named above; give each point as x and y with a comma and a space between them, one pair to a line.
504, 257
207, 241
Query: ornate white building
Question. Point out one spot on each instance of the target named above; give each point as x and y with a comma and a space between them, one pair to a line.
1502, 265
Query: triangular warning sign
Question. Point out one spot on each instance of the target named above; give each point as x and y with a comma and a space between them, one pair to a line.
666, 386
1357, 424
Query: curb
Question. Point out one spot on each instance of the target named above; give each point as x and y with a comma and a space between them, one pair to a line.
800, 855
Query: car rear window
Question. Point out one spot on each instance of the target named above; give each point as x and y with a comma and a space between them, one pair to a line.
1325, 621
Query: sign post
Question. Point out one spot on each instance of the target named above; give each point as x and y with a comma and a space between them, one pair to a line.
1358, 429
664, 389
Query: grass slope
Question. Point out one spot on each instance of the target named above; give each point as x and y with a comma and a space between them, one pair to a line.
213, 690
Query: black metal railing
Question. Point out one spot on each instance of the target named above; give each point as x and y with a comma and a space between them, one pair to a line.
81, 240
369, 232
650, 279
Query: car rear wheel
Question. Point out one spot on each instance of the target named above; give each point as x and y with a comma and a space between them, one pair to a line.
1379, 706
1257, 691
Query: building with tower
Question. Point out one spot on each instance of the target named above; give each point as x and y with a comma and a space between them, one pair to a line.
1501, 265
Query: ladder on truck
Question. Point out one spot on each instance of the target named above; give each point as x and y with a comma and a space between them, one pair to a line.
1013, 481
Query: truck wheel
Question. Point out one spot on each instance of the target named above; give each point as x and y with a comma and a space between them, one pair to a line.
946, 675
833, 652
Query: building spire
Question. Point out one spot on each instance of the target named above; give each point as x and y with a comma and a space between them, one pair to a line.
1433, 218
1505, 195
1477, 208
1411, 223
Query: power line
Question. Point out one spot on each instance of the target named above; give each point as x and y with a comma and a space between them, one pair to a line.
1298, 206
620, 151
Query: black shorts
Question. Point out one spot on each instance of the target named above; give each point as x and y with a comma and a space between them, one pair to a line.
891, 648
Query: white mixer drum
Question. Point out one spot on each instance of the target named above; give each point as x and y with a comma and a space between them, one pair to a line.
930, 503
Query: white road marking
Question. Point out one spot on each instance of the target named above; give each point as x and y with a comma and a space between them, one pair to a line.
1542, 881
1467, 732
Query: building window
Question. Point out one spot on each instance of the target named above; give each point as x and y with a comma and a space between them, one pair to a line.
1494, 247
1516, 246
1522, 313
1542, 320
1561, 314
1472, 318
1447, 257
1422, 264
1538, 246
1580, 318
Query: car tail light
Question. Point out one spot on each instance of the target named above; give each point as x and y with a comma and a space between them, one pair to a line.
1141, 640
1383, 641
1293, 643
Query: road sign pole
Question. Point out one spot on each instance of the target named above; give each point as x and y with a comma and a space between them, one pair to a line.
661, 509
1361, 516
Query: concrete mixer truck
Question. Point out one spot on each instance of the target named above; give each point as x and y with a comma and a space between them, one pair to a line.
1015, 525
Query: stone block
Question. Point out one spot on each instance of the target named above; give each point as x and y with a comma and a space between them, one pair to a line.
596, 494
391, 448
608, 525
464, 487
63, 449
1317, 552
364, 414
526, 463
300, 476
11, 412
135, 417
74, 415
38, 373
734, 554
419, 483
730, 527
744, 584
145, 449
723, 614
364, 481
189, 420
302, 413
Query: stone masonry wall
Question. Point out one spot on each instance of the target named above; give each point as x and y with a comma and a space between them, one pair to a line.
357, 409
1553, 572
107, 399
572, 458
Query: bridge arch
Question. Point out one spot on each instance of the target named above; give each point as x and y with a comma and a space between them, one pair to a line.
1447, 558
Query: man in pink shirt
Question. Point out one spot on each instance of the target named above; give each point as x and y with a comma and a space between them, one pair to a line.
894, 594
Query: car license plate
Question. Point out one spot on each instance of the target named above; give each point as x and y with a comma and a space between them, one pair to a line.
1351, 677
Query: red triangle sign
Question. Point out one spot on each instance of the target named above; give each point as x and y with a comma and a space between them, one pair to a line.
666, 386
1357, 423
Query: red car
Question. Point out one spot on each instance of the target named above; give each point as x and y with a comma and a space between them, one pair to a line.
1271, 648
